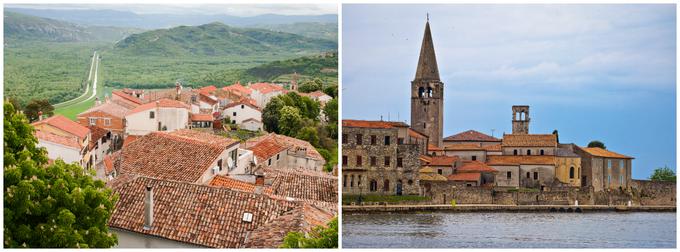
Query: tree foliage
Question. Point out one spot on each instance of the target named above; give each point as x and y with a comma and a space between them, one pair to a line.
663, 174
35, 106
319, 237
311, 86
49, 206
597, 143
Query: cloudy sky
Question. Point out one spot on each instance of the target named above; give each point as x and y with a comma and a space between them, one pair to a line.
229, 9
604, 72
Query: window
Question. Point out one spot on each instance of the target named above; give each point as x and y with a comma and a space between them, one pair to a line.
374, 161
528, 175
234, 157
424, 125
621, 179
399, 163
373, 186
439, 171
351, 181
344, 181
344, 138
535, 175
509, 175
386, 186
621, 165
344, 160
609, 164
359, 181
242, 106
571, 172
269, 162
152, 114
514, 152
359, 161
387, 140
219, 164
233, 121
542, 153
359, 136
474, 158
93, 121
277, 156
234, 114
373, 140
107, 121
528, 152
387, 161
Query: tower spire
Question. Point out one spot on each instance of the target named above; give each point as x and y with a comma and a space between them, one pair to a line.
427, 62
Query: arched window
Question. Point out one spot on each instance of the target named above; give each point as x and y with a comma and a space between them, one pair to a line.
528, 152
571, 172
421, 91
514, 152
542, 153
429, 92
351, 181
387, 185
373, 186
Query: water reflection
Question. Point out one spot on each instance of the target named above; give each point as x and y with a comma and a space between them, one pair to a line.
510, 230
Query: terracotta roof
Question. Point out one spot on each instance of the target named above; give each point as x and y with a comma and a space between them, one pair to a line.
431, 147
112, 108
239, 88
317, 94
227, 182
474, 166
529, 140
301, 219
599, 152
172, 157
247, 102
443, 160
303, 185
468, 176
471, 136
205, 137
426, 159
463, 147
207, 89
495, 147
201, 118
266, 87
129, 139
372, 124
65, 124
288, 143
415, 134
517, 160
97, 133
108, 163
267, 148
58, 139
197, 214
207, 99
127, 97
162, 103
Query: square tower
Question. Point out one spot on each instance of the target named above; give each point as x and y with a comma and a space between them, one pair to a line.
520, 119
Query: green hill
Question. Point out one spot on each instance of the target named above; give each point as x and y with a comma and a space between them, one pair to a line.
217, 39
22, 28
327, 31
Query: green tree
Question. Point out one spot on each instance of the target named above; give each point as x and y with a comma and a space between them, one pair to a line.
332, 91
290, 121
42, 203
271, 114
311, 85
319, 237
663, 174
597, 143
35, 106
309, 134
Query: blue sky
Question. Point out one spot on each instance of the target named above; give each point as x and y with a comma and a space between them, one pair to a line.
593, 72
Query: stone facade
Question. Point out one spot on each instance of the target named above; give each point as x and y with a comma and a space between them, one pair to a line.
380, 160
604, 172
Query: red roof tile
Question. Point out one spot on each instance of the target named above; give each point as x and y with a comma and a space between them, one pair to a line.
303, 185
163, 103
246, 102
599, 152
112, 108
239, 88
201, 118
97, 133
267, 148
65, 124
207, 89
302, 219
468, 176
529, 140
58, 139
443, 160
266, 87
290, 143
129, 139
226, 182
474, 166
472, 136
494, 148
127, 97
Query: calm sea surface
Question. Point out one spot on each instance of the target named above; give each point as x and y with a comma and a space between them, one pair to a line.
509, 230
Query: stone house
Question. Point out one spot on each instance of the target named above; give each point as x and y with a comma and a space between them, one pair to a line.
466, 151
161, 115
523, 171
603, 169
529, 144
380, 157
568, 165
284, 152
474, 173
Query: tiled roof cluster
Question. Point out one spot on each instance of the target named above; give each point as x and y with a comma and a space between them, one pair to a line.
599, 152
238, 88
303, 219
244, 101
472, 136
205, 137
171, 156
266, 87
427, 174
493, 148
275, 141
128, 97
266, 149
529, 140
372, 124
162, 103
474, 166
235, 184
303, 185
65, 124
196, 214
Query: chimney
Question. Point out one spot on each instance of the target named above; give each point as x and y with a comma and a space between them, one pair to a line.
259, 183
148, 208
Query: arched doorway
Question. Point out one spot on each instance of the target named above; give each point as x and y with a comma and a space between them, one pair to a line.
399, 187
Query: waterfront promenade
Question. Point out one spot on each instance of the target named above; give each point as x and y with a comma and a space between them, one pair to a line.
505, 208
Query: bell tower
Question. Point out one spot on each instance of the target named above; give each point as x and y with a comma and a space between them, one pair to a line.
520, 119
427, 93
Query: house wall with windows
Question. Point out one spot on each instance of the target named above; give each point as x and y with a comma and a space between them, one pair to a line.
240, 112
147, 121
568, 170
507, 176
222, 165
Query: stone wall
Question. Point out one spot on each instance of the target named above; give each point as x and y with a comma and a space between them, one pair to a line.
655, 193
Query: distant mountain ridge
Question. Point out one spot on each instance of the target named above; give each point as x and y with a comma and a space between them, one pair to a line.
158, 21
217, 39
30, 28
